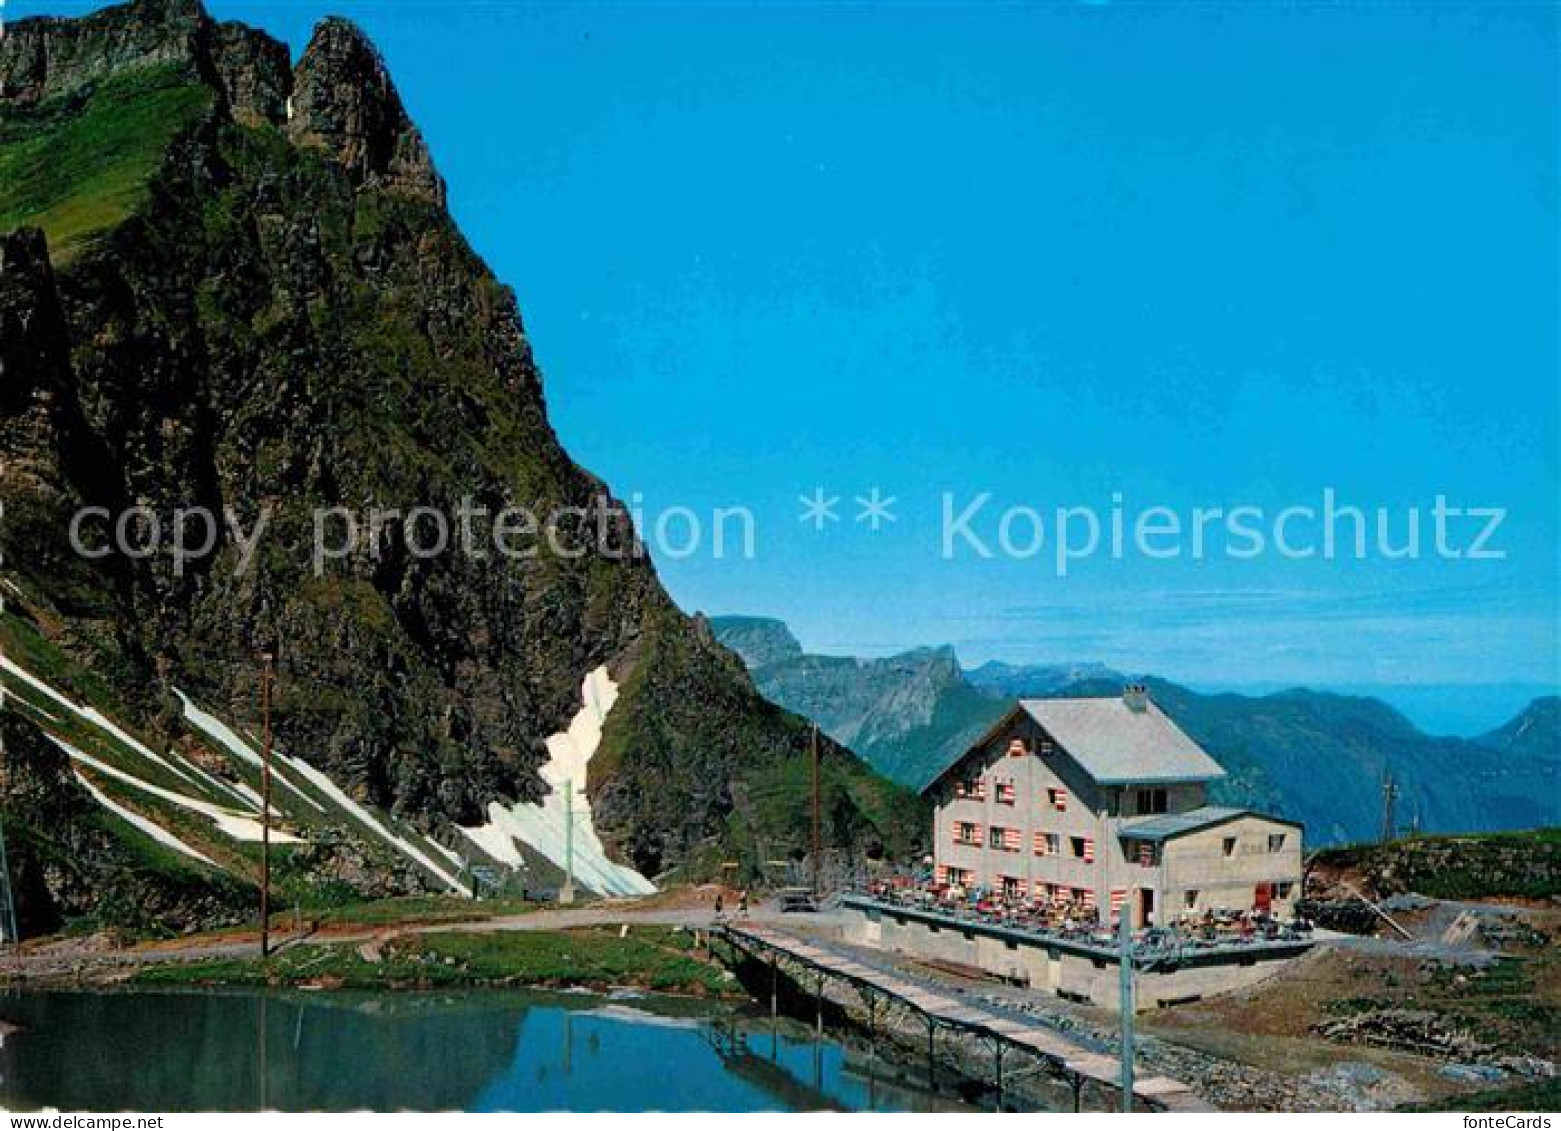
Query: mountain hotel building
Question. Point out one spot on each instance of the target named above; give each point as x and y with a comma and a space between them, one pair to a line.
1104, 801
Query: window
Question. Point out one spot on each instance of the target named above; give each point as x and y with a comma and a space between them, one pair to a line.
1016, 748
1230, 846
1151, 801
1145, 852
1048, 844
1007, 840
995, 836
1013, 887
1282, 889
972, 788
1190, 898
1083, 848
967, 832
1007, 793
1276, 842
1047, 747
1057, 799
955, 877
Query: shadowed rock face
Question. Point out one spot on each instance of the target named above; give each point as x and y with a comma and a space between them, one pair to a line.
258, 330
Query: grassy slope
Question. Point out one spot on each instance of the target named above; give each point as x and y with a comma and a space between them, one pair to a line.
77, 165
1525, 865
656, 958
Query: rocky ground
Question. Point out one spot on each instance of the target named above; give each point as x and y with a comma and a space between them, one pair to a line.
1378, 1023
1472, 1002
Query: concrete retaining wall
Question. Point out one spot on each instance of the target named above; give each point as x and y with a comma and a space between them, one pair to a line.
1057, 969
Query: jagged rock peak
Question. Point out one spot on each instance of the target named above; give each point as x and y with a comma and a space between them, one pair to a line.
345, 103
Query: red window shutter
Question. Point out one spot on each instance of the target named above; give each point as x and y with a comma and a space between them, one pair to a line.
1089, 851
940, 874
1040, 844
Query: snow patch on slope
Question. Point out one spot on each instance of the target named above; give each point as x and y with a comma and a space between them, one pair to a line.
542, 826
161, 835
220, 732
325, 785
219, 786
91, 715
231, 823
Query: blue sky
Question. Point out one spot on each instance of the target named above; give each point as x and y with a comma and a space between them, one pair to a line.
1200, 256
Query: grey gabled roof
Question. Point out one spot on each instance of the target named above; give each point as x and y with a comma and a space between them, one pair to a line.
1118, 745
1169, 825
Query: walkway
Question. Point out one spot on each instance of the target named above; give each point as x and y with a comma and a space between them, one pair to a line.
1001, 1031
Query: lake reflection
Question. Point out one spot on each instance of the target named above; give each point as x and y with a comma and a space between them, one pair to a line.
477, 1051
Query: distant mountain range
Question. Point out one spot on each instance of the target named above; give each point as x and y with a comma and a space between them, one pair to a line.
1316, 756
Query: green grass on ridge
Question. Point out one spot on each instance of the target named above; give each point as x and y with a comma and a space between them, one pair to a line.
78, 164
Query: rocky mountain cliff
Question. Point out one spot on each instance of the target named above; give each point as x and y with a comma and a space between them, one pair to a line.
901, 713
231, 283
758, 641
1011, 681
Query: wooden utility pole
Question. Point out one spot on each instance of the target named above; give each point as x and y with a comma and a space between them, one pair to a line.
818, 827
1390, 793
1125, 994
265, 805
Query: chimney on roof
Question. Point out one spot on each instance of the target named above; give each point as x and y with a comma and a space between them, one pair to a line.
1136, 696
